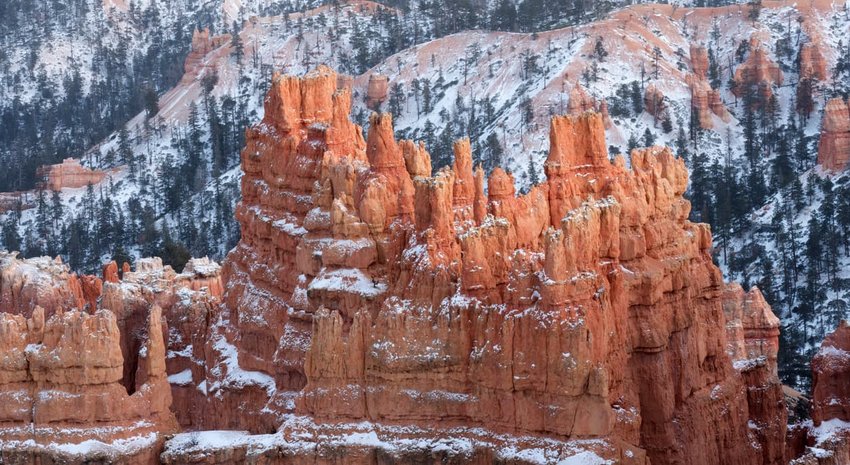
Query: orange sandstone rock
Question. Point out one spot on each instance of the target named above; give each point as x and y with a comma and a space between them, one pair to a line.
758, 70
699, 61
377, 90
366, 302
812, 62
834, 146
68, 174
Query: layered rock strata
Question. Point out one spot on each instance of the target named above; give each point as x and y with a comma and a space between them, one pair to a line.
753, 334
61, 391
92, 368
68, 174
370, 290
759, 71
834, 145
705, 101
827, 436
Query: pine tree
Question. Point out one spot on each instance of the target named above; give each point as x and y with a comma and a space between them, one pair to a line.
648, 138
10, 235
236, 44
494, 152
396, 99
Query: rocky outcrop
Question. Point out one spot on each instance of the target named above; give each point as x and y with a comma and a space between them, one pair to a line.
655, 103
830, 368
705, 101
812, 62
834, 145
41, 282
826, 439
377, 90
580, 101
188, 300
61, 378
202, 44
371, 291
759, 71
753, 345
699, 62
69, 174
372, 304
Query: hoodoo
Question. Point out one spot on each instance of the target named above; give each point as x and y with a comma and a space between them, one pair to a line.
372, 309
372, 292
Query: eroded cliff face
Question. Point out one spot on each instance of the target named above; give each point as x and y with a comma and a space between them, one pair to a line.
827, 436
834, 145
61, 391
587, 308
98, 370
377, 310
68, 174
705, 101
759, 71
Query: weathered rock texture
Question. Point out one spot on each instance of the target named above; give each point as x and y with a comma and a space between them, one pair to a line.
705, 101
60, 383
812, 62
699, 61
377, 90
581, 101
655, 103
830, 371
827, 441
202, 44
369, 290
68, 174
834, 146
85, 360
759, 71
753, 333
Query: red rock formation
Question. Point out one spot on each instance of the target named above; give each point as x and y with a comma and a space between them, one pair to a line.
39, 282
699, 62
654, 103
705, 101
366, 289
110, 273
202, 44
364, 300
753, 344
830, 368
68, 174
827, 441
377, 91
812, 62
759, 70
305, 179
834, 146
62, 379
581, 101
